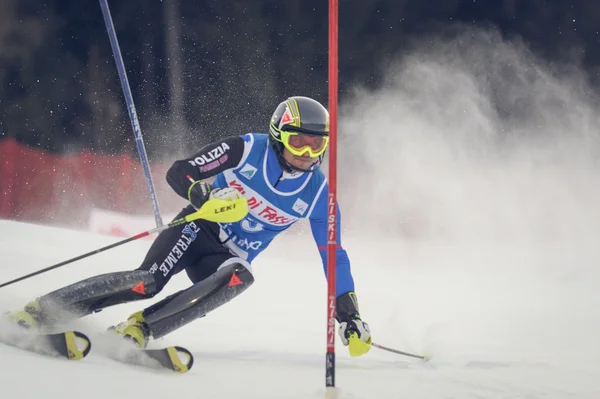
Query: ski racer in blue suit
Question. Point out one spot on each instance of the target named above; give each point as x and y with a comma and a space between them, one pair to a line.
278, 173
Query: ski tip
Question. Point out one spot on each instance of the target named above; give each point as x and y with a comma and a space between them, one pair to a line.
78, 345
426, 356
88, 347
176, 353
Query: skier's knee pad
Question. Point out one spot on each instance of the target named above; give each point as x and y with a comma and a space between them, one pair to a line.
238, 267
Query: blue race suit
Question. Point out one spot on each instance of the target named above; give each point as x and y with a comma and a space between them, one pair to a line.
276, 199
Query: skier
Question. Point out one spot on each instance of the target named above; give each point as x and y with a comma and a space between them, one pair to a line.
279, 175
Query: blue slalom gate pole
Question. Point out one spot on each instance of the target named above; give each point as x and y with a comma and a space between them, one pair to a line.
135, 124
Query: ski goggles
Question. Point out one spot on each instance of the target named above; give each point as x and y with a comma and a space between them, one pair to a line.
299, 143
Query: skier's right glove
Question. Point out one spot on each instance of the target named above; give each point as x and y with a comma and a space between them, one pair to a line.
200, 192
354, 332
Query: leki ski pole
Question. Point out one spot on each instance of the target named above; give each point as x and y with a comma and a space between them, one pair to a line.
214, 210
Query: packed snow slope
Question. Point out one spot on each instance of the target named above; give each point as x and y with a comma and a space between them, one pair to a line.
517, 331
470, 190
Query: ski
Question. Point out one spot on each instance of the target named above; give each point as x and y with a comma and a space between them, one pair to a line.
71, 345
174, 358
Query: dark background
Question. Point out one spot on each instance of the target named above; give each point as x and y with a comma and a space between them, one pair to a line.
200, 70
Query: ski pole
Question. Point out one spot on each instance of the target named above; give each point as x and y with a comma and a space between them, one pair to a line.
135, 123
213, 210
423, 357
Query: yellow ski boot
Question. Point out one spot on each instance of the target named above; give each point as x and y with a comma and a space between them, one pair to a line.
134, 329
28, 317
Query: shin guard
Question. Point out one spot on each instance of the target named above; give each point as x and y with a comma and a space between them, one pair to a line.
181, 308
95, 293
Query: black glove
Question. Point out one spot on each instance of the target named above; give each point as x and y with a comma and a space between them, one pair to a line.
199, 193
354, 332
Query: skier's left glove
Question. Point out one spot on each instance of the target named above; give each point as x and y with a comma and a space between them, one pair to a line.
199, 193
354, 332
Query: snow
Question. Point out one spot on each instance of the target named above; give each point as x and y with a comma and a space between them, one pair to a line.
516, 332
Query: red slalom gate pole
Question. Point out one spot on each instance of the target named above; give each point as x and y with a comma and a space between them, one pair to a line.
332, 200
